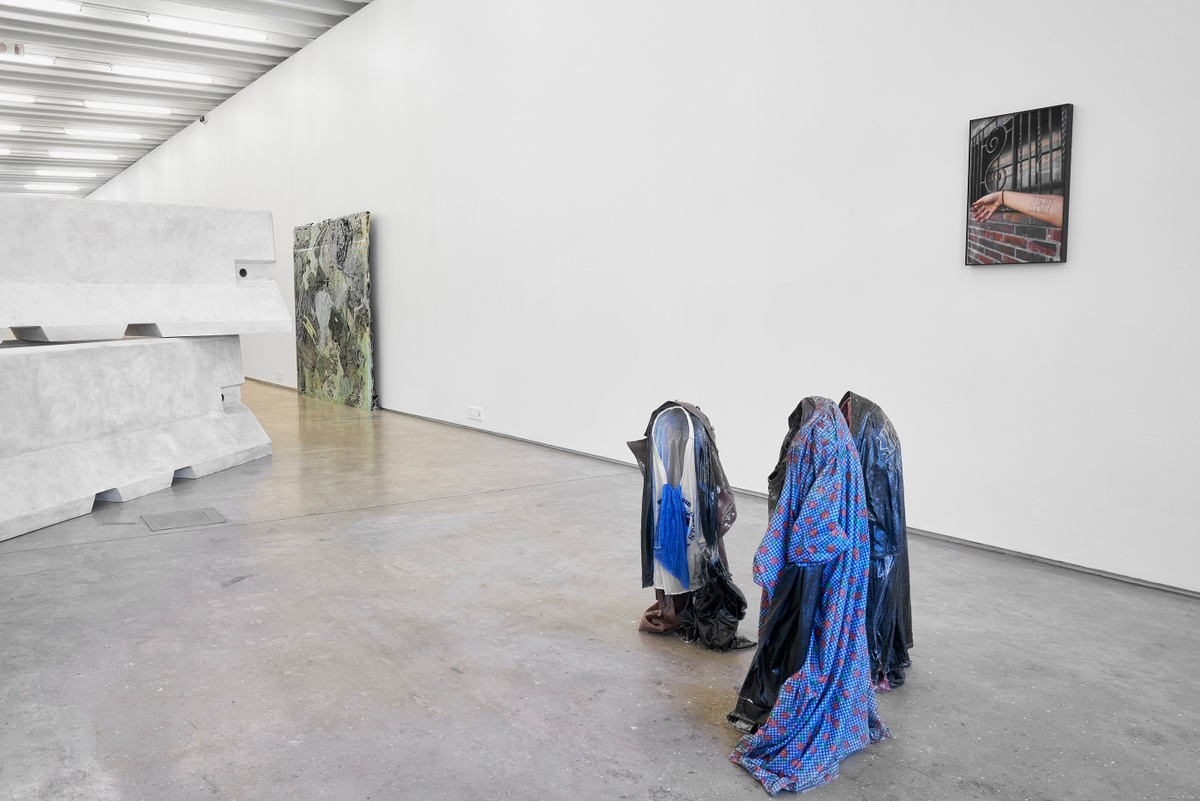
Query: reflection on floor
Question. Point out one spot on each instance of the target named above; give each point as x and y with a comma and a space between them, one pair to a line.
395, 608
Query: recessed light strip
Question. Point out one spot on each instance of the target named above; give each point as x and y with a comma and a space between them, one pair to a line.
84, 133
128, 108
205, 28
35, 61
52, 187
64, 173
101, 134
55, 6
156, 73
163, 75
83, 155
96, 105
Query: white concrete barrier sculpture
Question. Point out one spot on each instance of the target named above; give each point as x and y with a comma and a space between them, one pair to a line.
162, 293
79, 269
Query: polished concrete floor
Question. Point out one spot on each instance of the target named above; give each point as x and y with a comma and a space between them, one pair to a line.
399, 609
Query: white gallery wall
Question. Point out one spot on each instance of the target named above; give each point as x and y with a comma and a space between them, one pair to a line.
583, 209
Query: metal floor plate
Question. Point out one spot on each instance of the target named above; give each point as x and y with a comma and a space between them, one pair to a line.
186, 519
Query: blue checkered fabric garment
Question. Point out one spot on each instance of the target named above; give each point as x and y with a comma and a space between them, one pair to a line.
826, 711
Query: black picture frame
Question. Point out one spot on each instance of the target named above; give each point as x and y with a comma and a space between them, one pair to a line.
1018, 187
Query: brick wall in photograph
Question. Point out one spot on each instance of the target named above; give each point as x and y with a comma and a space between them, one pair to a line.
1011, 238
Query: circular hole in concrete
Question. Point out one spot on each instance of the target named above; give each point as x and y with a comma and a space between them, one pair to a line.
242, 272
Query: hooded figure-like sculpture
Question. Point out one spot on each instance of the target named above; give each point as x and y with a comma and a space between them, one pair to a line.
825, 710
889, 608
687, 506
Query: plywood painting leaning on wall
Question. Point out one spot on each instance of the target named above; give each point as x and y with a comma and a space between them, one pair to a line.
1018, 187
334, 357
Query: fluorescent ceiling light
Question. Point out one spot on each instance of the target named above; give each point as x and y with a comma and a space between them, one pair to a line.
102, 134
83, 155
4, 151
206, 28
4, 126
65, 173
5, 96
166, 75
132, 108
57, 6
37, 61
52, 187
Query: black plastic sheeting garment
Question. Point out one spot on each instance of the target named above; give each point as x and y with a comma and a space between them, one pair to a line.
796, 420
709, 614
786, 633
889, 606
783, 643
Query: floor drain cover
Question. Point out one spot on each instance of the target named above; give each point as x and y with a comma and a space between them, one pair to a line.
188, 519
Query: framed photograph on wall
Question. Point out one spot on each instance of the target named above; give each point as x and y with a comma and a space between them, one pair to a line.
1018, 182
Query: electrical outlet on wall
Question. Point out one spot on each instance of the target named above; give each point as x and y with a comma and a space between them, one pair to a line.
475, 413
278, 375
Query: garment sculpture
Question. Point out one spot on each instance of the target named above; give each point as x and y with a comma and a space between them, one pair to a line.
826, 710
889, 609
687, 506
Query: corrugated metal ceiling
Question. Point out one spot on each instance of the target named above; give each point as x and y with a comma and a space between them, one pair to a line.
62, 60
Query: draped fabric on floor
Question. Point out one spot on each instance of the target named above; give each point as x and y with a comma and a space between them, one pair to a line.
827, 710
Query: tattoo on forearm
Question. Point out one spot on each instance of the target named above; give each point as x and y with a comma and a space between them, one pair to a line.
1040, 205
